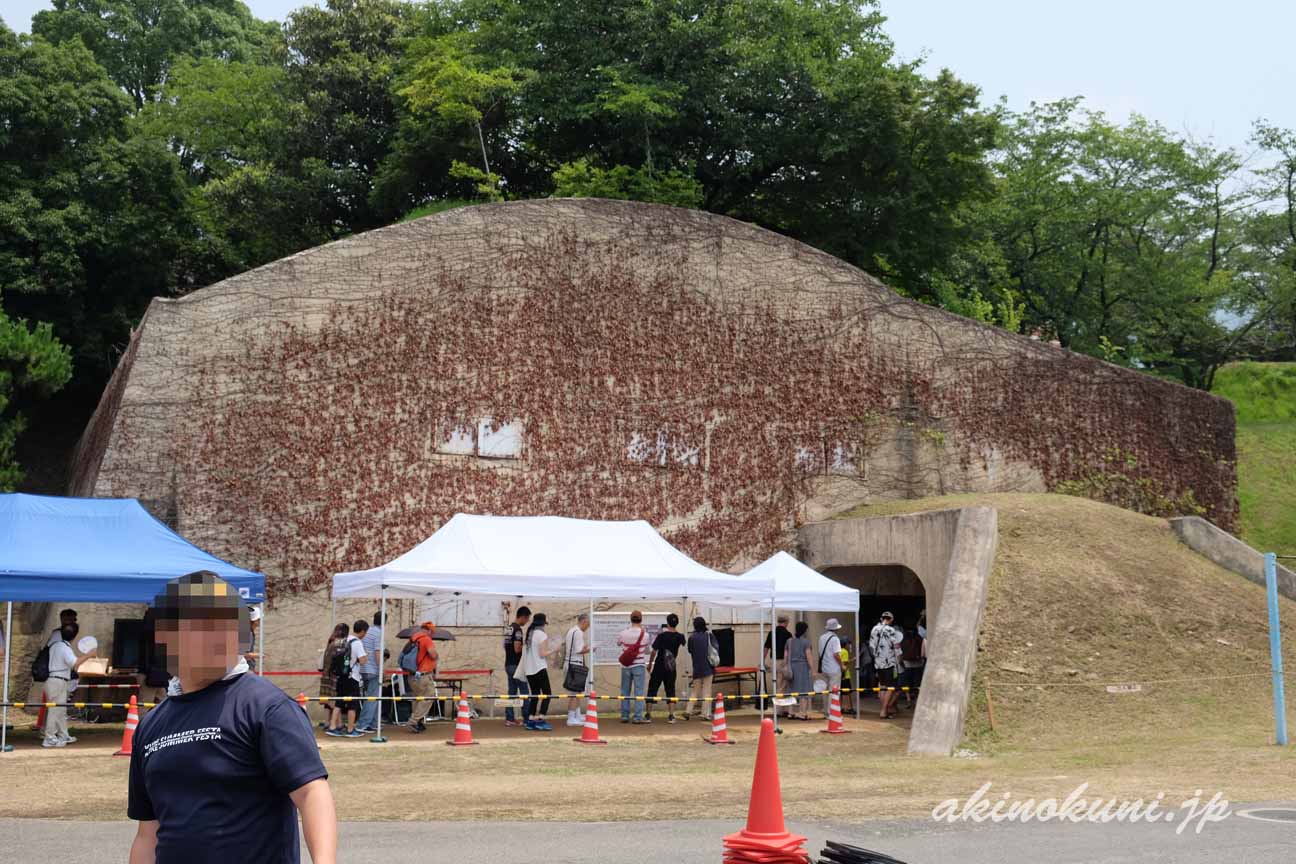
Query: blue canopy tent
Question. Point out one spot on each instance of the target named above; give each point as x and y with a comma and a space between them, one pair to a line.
96, 550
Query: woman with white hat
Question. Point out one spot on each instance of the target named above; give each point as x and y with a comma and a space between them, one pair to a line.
829, 656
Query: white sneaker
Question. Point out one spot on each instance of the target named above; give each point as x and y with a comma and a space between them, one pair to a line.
69, 739
53, 742
574, 719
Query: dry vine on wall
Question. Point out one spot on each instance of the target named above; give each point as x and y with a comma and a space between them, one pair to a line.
639, 396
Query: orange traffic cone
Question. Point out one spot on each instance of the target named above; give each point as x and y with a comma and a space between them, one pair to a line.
835, 725
766, 839
128, 734
719, 729
463, 726
590, 734
301, 700
40, 716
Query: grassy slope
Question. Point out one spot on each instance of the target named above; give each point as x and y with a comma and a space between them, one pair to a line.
1084, 594
1265, 397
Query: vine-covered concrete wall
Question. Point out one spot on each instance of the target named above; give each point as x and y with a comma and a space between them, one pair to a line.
606, 360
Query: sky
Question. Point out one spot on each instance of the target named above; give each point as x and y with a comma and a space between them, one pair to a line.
1198, 67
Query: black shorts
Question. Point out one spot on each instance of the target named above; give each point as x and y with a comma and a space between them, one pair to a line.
348, 687
886, 677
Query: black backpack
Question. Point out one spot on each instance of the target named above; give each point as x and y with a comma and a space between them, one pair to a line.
40, 666
341, 665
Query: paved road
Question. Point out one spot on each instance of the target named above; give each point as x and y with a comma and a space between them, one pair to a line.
1236, 840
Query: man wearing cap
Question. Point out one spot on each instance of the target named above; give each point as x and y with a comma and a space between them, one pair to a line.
220, 771
829, 656
423, 682
884, 642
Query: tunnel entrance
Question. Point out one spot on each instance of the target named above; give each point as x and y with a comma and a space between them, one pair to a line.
896, 589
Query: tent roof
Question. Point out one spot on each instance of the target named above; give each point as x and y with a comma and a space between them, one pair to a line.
800, 588
551, 557
98, 550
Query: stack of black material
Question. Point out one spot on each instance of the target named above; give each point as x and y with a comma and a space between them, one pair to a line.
840, 853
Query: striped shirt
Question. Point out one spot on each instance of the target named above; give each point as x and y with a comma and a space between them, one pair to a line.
372, 643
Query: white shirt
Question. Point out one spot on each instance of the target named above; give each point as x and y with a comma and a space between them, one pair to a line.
533, 658
357, 654
884, 642
575, 642
62, 659
830, 651
629, 637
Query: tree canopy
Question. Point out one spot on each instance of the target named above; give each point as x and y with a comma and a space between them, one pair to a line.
147, 149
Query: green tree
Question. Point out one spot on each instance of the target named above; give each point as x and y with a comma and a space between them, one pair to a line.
33, 364
93, 223
138, 41
1121, 241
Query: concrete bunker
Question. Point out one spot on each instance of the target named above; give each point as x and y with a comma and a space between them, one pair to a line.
950, 554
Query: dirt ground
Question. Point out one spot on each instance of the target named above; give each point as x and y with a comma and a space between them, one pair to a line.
849, 778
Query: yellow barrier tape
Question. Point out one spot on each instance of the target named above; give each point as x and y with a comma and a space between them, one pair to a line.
670, 700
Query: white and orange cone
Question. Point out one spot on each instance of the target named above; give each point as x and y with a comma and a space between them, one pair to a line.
463, 726
128, 735
40, 715
590, 733
835, 725
719, 729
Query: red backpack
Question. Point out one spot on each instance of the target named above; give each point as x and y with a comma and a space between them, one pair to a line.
630, 654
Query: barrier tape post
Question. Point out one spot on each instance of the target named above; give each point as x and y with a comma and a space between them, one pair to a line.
463, 726
719, 728
835, 724
128, 734
590, 732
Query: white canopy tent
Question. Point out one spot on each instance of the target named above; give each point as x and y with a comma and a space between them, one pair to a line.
803, 589
551, 557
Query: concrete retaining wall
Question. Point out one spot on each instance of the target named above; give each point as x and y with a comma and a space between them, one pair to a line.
952, 552
1230, 553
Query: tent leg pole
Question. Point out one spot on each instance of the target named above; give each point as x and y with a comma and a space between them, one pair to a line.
856, 675
261, 641
333, 615
378, 736
774, 655
5, 746
760, 647
589, 658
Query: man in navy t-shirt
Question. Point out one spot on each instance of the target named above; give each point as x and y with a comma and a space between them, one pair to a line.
219, 773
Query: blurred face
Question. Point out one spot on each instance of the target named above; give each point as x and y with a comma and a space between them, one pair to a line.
207, 648
523, 620
583, 624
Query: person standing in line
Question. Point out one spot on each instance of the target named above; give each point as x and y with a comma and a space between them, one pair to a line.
633, 642
911, 664
337, 643
576, 668
220, 772
371, 674
848, 674
346, 668
777, 661
423, 682
63, 665
251, 655
702, 648
829, 661
66, 617
801, 664
884, 643
662, 666
535, 665
513, 643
